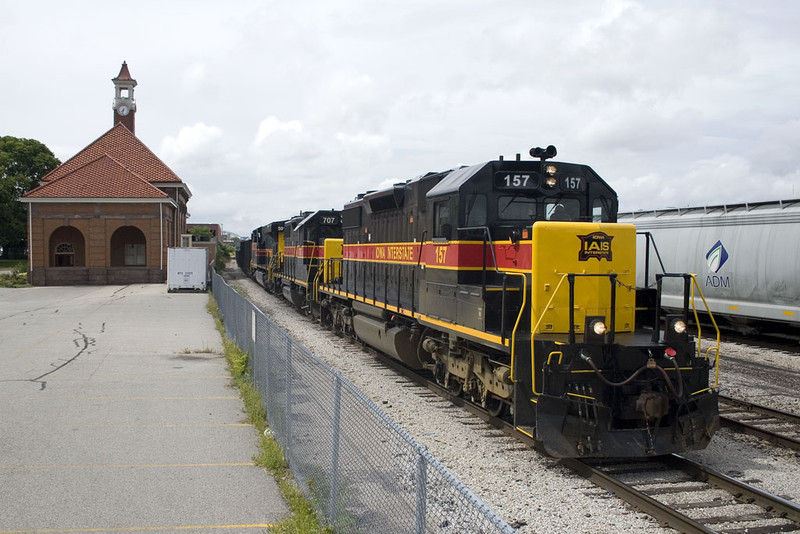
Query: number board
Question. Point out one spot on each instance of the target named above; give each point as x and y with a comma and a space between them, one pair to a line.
329, 220
572, 183
516, 180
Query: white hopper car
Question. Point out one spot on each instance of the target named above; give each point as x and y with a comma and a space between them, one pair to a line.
746, 258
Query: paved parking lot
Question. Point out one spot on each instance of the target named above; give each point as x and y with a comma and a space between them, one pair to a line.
117, 415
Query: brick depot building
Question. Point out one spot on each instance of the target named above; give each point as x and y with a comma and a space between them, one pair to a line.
108, 214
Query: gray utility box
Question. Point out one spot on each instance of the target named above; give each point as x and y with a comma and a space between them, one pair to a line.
187, 269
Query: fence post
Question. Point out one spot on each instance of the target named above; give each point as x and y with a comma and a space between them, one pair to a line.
267, 370
337, 405
421, 492
288, 413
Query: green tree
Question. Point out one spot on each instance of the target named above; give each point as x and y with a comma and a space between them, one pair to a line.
201, 233
23, 163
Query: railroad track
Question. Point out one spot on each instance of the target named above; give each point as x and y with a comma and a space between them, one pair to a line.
775, 426
674, 490
691, 498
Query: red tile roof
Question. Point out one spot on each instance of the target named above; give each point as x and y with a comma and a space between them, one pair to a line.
103, 177
123, 146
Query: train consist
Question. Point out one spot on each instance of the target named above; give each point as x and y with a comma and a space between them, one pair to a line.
745, 256
512, 283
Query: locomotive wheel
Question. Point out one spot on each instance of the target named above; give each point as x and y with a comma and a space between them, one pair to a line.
494, 406
453, 386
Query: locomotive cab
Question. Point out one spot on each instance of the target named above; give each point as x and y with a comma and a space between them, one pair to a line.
304, 252
478, 260
267, 253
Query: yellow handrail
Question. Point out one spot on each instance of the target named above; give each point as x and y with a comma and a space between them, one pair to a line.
315, 291
519, 318
533, 334
699, 338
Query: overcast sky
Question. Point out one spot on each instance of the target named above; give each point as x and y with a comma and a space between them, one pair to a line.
268, 108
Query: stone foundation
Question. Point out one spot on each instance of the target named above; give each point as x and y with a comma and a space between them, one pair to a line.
96, 276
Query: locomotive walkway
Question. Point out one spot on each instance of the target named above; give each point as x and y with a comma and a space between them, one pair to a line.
116, 415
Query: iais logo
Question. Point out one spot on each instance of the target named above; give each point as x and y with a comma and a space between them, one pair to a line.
717, 257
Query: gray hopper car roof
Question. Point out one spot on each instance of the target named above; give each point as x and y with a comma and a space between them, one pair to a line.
769, 212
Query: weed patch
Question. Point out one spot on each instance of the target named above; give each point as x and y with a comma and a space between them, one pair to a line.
14, 279
270, 456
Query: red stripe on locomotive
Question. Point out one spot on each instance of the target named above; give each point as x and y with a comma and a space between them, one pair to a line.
446, 255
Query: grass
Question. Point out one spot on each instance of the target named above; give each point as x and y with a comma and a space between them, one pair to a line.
206, 350
19, 265
18, 276
270, 456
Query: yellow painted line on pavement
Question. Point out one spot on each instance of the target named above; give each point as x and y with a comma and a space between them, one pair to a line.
122, 466
138, 529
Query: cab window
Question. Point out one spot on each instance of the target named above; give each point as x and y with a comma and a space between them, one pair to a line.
516, 208
599, 211
442, 223
562, 209
475, 211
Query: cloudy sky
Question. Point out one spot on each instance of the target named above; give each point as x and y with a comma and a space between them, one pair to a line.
265, 108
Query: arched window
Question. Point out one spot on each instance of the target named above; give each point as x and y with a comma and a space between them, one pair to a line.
128, 247
65, 255
67, 248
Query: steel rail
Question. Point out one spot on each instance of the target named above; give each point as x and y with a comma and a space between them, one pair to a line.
742, 491
753, 427
634, 497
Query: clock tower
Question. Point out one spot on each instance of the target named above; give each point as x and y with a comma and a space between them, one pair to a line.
124, 105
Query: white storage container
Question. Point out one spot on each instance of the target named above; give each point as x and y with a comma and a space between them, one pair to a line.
187, 269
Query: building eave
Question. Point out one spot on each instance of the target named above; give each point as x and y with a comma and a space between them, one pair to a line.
51, 200
177, 185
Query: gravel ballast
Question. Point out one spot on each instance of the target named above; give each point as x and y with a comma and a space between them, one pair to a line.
530, 490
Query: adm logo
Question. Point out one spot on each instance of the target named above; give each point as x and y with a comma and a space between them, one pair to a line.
595, 245
716, 258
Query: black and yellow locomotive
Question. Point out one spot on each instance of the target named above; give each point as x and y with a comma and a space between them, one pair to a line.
513, 284
307, 239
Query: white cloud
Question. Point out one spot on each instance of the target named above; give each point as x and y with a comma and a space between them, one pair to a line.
195, 144
304, 105
272, 125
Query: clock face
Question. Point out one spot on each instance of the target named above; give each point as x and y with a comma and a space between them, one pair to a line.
122, 110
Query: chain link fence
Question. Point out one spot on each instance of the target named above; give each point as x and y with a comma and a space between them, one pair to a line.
362, 472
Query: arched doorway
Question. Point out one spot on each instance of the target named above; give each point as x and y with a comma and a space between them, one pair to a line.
67, 247
128, 247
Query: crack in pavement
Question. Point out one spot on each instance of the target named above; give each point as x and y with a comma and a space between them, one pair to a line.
83, 340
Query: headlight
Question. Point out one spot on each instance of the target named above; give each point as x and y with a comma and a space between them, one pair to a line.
598, 327
550, 170
550, 182
595, 330
679, 327
676, 330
